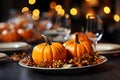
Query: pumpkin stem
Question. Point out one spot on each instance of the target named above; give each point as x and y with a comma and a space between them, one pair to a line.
46, 39
76, 38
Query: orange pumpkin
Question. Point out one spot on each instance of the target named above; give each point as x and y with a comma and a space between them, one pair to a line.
47, 52
26, 34
10, 36
78, 48
3, 26
81, 37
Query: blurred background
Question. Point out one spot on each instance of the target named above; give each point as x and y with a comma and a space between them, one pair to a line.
78, 10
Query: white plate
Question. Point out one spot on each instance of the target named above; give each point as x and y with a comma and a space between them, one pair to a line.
107, 48
12, 46
3, 56
74, 69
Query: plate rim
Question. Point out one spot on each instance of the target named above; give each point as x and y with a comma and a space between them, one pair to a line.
112, 44
108, 52
56, 69
27, 46
5, 58
3, 54
115, 50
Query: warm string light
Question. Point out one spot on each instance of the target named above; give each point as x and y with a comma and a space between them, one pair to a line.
31, 2
58, 7
106, 10
73, 11
116, 17
25, 9
59, 10
35, 14
52, 5
35, 17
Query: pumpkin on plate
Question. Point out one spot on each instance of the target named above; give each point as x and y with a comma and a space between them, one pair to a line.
81, 37
45, 53
77, 48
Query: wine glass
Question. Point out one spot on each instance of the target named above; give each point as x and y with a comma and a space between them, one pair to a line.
64, 29
67, 25
94, 29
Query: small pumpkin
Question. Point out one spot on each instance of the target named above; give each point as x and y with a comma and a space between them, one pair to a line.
81, 37
26, 34
10, 36
78, 48
47, 52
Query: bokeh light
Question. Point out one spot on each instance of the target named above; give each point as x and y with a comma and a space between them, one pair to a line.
58, 7
52, 5
31, 2
90, 12
116, 18
61, 12
35, 17
25, 9
36, 12
106, 10
73, 11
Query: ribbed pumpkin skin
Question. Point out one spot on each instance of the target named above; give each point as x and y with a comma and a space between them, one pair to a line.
78, 49
48, 53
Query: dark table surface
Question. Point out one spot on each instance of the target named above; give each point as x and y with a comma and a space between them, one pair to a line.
10, 70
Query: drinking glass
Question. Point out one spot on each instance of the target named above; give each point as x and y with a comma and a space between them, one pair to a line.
67, 25
94, 29
64, 28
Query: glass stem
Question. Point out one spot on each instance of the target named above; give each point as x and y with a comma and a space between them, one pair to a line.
94, 45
